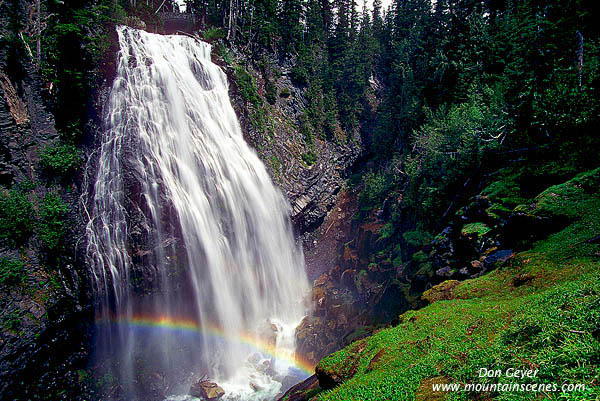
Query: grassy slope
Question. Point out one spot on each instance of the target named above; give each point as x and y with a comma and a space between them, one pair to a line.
540, 311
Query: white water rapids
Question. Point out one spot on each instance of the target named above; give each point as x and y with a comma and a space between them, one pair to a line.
221, 248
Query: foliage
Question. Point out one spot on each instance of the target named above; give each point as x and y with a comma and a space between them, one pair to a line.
275, 165
61, 159
548, 322
451, 146
75, 44
475, 228
285, 92
52, 225
299, 75
417, 238
375, 187
270, 92
214, 33
12, 271
309, 157
246, 85
16, 217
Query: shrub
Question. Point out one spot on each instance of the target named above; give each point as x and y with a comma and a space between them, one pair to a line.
299, 75
285, 92
223, 51
11, 271
450, 146
309, 158
270, 92
305, 128
214, 33
52, 228
246, 85
16, 217
60, 159
417, 238
374, 190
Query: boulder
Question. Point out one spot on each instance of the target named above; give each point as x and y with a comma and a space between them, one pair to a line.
207, 390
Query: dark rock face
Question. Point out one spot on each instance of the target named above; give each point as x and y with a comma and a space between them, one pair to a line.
302, 391
311, 189
354, 295
45, 319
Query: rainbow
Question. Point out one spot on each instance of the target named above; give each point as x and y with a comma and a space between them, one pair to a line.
189, 325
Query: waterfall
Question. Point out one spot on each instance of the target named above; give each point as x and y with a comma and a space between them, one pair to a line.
221, 288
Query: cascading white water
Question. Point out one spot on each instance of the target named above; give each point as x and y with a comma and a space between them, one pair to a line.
174, 147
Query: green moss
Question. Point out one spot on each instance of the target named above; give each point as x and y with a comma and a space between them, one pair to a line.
549, 321
565, 199
475, 228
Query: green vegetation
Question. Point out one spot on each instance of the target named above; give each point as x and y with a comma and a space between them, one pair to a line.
270, 92
17, 217
475, 228
60, 159
542, 311
309, 157
214, 33
52, 226
12, 320
375, 188
247, 88
246, 85
417, 238
285, 92
12, 271
275, 165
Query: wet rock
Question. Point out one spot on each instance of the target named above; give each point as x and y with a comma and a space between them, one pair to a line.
310, 188
301, 391
207, 389
445, 271
498, 257
442, 291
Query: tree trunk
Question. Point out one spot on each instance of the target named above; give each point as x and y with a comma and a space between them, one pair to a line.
230, 19
38, 44
579, 57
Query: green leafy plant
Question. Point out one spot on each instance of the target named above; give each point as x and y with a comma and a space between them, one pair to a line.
52, 226
214, 33
270, 92
60, 159
16, 217
246, 85
11, 271
309, 158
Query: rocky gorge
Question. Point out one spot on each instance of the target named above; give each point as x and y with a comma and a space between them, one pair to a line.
381, 266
